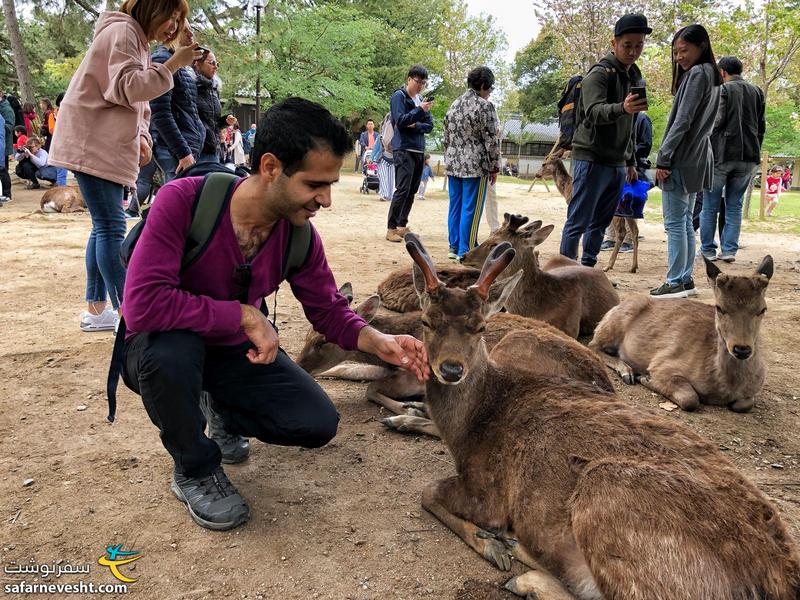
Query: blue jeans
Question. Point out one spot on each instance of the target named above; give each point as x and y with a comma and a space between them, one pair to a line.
677, 208
467, 196
596, 191
166, 161
734, 177
104, 270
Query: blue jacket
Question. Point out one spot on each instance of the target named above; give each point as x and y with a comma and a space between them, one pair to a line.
3, 141
174, 121
8, 129
404, 113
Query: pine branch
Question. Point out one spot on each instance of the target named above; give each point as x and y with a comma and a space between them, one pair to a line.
87, 8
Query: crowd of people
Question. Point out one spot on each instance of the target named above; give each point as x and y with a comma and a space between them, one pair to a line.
194, 336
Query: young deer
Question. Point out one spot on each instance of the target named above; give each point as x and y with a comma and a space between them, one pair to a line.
554, 167
615, 503
688, 351
545, 350
564, 294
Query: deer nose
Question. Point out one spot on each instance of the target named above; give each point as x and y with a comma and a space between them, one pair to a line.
451, 371
742, 352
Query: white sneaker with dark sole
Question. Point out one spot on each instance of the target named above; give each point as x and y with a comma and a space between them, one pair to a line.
105, 321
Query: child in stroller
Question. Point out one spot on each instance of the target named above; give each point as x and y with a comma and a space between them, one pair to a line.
370, 170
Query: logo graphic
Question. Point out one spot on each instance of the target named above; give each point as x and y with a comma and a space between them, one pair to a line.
116, 558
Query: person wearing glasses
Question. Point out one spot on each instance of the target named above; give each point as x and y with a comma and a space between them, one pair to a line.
411, 119
471, 159
208, 105
203, 329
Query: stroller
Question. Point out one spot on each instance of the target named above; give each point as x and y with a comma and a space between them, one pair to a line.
370, 170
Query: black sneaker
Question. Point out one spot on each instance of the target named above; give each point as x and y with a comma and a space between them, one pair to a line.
666, 290
625, 248
212, 500
235, 448
607, 245
689, 287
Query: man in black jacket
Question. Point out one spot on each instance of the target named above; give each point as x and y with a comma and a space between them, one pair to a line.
736, 141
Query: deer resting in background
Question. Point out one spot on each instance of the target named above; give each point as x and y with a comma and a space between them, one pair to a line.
614, 502
545, 350
565, 294
688, 351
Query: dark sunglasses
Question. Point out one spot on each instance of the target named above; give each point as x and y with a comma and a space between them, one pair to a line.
242, 277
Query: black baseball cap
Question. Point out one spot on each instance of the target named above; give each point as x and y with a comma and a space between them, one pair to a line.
633, 23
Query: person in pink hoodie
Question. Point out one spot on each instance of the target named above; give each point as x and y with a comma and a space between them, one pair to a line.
102, 132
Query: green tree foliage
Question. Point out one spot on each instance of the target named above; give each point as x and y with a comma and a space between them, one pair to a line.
540, 77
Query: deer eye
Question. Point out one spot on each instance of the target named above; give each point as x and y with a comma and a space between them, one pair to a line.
481, 329
426, 324
763, 310
720, 311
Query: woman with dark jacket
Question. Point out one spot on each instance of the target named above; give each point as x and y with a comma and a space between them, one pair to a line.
685, 162
208, 105
175, 125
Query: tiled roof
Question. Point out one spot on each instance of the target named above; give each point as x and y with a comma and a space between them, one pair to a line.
539, 132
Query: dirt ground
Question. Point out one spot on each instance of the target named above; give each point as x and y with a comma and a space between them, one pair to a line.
341, 522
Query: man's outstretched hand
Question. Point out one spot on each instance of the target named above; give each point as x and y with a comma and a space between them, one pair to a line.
263, 335
404, 351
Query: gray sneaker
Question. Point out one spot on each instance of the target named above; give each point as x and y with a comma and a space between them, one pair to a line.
235, 448
726, 257
212, 500
666, 290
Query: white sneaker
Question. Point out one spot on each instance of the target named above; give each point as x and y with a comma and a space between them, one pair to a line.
105, 321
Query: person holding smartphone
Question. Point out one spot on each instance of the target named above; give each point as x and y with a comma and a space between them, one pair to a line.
411, 119
102, 134
602, 146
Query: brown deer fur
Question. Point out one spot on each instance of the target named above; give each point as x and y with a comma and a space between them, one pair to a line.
544, 349
62, 199
688, 351
554, 167
569, 296
615, 502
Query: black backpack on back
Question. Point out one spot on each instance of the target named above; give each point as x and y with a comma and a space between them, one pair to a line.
212, 198
569, 104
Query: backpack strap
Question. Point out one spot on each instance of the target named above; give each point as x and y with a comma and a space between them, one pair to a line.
611, 71
297, 249
207, 213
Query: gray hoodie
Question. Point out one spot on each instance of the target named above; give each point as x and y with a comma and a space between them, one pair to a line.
687, 145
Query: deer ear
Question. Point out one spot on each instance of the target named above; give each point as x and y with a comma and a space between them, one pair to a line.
499, 292
530, 228
542, 234
767, 267
347, 291
506, 218
517, 221
369, 308
577, 463
712, 270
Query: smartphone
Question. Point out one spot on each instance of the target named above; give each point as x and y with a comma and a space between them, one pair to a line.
640, 91
430, 98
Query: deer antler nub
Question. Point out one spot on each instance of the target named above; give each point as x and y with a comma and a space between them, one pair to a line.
423, 260
500, 257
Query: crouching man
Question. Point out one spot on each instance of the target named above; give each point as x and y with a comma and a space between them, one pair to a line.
200, 328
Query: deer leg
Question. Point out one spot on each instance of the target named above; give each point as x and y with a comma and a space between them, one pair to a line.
633, 229
357, 372
412, 424
743, 405
620, 231
672, 387
438, 499
538, 584
619, 366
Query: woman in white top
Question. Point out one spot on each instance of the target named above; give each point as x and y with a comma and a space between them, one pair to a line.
237, 147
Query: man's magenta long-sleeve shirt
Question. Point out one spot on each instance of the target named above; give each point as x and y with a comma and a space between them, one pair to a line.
203, 298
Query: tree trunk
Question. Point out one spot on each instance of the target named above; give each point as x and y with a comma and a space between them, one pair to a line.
20, 56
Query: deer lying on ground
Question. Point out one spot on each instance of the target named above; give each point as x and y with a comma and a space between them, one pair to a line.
569, 296
565, 294
545, 349
688, 351
614, 502
554, 167
62, 199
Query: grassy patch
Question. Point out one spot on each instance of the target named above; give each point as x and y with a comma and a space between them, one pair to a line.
786, 218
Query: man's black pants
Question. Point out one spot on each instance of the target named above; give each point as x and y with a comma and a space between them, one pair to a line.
407, 173
277, 403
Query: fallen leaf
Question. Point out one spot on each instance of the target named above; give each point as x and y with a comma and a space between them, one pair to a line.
668, 406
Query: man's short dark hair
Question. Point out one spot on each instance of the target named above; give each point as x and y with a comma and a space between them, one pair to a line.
418, 72
480, 78
373, 121
731, 65
293, 127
